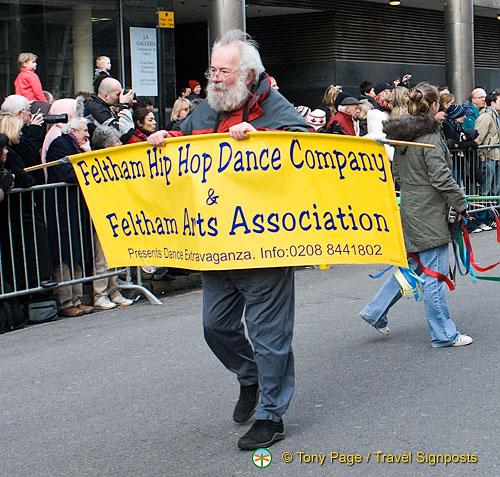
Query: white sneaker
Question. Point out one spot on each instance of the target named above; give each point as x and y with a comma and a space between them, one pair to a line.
485, 227
104, 303
385, 330
120, 300
477, 230
493, 225
463, 340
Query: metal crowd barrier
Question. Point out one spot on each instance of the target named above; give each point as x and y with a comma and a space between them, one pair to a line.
29, 218
481, 186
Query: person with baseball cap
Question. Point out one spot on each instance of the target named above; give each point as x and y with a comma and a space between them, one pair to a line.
384, 95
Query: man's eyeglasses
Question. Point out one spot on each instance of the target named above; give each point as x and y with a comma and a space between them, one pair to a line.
223, 74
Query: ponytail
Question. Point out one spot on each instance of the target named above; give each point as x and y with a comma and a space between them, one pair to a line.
421, 99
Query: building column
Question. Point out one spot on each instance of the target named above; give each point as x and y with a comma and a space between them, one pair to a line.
459, 27
224, 15
83, 56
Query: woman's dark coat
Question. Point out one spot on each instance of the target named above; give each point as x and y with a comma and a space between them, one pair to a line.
24, 241
68, 240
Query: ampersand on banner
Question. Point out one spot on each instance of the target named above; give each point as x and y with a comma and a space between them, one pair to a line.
212, 199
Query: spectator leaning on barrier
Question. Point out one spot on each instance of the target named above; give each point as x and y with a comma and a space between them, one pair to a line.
427, 188
457, 140
477, 101
487, 125
240, 100
23, 229
28, 83
68, 218
106, 295
99, 109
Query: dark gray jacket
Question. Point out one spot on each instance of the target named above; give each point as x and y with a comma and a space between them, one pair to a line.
427, 186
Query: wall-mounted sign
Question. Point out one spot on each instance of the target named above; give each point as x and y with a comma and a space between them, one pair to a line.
143, 59
166, 19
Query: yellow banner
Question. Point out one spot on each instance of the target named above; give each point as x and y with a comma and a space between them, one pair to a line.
209, 202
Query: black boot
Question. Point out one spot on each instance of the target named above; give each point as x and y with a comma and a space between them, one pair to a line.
263, 433
249, 397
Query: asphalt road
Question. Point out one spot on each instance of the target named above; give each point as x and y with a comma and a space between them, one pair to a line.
136, 391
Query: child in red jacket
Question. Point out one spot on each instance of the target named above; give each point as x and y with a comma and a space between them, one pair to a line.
28, 83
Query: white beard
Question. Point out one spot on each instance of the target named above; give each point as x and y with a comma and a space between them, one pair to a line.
223, 98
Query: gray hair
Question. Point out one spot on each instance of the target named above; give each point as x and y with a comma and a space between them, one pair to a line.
74, 123
481, 91
249, 52
104, 136
14, 104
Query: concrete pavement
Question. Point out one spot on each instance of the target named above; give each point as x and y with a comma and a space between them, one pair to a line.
136, 391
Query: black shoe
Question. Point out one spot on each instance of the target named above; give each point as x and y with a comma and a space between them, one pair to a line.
263, 433
249, 397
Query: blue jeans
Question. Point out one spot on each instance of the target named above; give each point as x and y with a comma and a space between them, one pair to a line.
267, 296
442, 328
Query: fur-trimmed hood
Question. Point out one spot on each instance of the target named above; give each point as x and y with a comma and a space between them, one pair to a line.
409, 128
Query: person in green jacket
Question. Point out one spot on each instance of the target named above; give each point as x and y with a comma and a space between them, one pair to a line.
427, 190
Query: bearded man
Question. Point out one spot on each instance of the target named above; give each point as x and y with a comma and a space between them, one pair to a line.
240, 100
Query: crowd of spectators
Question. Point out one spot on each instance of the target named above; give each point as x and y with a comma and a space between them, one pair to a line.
465, 128
112, 116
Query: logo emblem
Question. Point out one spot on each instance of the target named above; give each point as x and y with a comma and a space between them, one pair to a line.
262, 458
